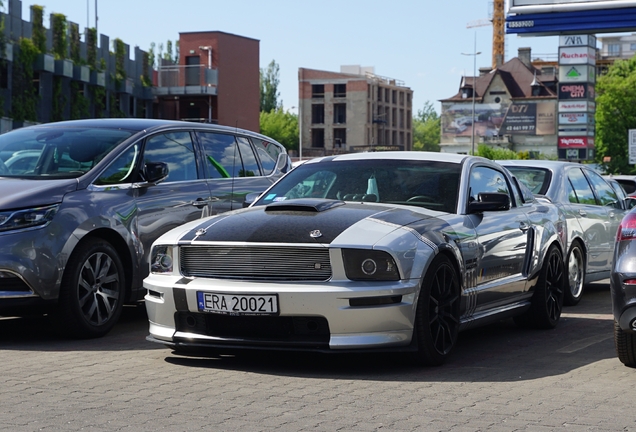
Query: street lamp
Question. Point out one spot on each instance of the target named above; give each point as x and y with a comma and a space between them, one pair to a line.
472, 127
209, 50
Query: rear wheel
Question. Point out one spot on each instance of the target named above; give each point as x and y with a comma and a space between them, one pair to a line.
92, 291
576, 276
625, 343
547, 301
437, 316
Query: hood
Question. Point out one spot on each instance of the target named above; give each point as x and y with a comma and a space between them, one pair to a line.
296, 221
19, 193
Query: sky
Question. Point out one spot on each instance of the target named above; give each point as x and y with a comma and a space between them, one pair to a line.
418, 42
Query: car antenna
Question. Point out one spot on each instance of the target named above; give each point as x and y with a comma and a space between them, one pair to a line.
234, 163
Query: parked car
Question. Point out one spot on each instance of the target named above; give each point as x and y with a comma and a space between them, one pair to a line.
593, 210
76, 225
627, 181
623, 289
370, 251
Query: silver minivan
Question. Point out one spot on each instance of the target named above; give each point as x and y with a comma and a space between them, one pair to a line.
77, 220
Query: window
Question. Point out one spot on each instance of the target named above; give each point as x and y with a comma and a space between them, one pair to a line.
394, 96
603, 190
632, 47
339, 90
339, 137
614, 49
387, 98
221, 155
318, 138
268, 154
318, 91
339, 113
488, 180
177, 151
250, 165
580, 190
318, 114
122, 169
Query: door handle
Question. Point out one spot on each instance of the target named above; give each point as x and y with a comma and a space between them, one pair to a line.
200, 202
612, 215
524, 226
582, 212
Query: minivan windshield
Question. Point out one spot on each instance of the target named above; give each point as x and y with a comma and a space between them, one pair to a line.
56, 152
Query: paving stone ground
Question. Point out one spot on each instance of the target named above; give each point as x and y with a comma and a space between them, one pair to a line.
500, 378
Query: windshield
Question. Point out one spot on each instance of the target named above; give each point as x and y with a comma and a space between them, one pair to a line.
421, 183
536, 179
43, 152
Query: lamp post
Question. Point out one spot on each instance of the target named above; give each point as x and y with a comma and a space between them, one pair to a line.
209, 50
474, 54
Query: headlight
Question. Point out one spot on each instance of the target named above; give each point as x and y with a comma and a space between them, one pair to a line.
364, 265
28, 218
161, 259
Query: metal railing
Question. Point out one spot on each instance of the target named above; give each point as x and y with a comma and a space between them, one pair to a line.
183, 76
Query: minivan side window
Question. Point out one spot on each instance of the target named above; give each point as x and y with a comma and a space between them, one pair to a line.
221, 155
268, 153
250, 165
175, 149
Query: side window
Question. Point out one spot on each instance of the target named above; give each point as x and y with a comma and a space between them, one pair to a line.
122, 170
177, 151
484, 179
521, 189
582, 191
268, 154
603, 190
250, 165
221, 155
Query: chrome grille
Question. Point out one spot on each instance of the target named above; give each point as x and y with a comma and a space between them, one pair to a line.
256, 262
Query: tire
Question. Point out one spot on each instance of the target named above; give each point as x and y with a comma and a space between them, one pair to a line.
625, 343
92, 291
547, 300
437, 313
576, 276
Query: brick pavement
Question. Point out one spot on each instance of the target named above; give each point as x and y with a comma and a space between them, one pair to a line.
500, 378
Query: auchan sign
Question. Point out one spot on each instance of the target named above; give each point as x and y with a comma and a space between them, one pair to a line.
577, 55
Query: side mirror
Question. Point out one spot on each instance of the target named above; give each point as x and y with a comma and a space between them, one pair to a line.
155, 172
491, 201
250, 198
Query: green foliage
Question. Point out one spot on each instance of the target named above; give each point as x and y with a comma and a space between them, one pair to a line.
269, 88
491, 153
79, 104
60, 44
24, 104
74, 42
38, 32
281, 126
616, 115
59, 100
152, 55
91, 49
427, 127
120, 54
98, 95
145, 71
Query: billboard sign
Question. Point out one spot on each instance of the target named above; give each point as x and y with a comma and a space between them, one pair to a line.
576, 130
547, 6
577, 106
577, 73
576, 91
577, 55
457, 120
577, 40
529, 118
576, 142
575, 118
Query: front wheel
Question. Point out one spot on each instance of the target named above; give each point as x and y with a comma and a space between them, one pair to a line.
576, 276
625, 344
437, 313
92, 291
547, 300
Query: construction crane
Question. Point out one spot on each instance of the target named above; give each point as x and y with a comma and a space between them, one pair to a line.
498, 23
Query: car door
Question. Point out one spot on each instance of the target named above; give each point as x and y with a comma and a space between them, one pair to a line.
502, 237
232, 169
592, 217
613, 205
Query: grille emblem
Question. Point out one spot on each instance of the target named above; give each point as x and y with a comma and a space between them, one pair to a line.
201, 232
315, 234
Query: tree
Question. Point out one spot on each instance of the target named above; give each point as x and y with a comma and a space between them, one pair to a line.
281, 126
492, 153
269, 88
616, 115
427, 129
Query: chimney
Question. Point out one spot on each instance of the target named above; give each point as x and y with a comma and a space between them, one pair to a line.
525, 55
484, 71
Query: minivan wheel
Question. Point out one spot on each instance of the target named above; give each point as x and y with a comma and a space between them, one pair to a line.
92, 291
576, 276
625, 343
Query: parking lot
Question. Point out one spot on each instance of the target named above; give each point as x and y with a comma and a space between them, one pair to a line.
499, 378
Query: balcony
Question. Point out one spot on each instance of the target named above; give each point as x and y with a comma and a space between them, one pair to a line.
177, 80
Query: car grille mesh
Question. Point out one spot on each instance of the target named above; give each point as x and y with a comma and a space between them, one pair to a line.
256, 262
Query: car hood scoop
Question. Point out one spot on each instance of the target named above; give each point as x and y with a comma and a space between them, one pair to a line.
305, 205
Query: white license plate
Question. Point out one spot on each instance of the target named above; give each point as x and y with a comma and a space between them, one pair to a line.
238, 304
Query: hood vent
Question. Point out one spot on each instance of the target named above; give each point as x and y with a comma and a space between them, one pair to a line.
304, 205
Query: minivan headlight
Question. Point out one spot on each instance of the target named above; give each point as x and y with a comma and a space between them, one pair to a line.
27, 218
161, 259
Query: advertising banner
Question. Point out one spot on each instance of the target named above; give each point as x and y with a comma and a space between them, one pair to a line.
576, 106
576, 91
576, 130
457, 120
575, 118
577, 73
539, 6
577, 40
530, 118
577, 55
576, 142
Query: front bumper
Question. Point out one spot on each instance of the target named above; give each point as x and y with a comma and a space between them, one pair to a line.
313, 316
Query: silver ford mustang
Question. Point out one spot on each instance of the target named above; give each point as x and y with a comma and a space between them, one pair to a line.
361, 252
